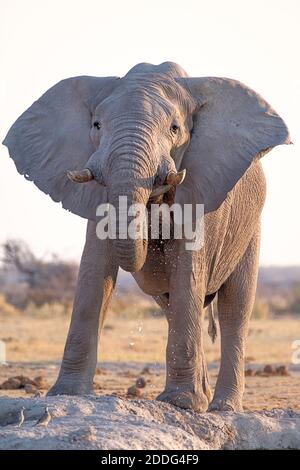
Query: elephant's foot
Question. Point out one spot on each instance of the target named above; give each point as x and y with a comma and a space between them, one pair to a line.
187, 400
70, 387
226, 403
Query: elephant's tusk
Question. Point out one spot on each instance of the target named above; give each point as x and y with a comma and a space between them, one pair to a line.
172, 179
175, 178
80, 176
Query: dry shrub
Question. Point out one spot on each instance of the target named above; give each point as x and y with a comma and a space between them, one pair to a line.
6, 308
54, 309
31, 280
133, 306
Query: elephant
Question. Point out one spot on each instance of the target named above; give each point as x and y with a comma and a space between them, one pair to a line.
89, 140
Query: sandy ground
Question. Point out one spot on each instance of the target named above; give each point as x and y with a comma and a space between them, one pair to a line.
35, 347
135, 347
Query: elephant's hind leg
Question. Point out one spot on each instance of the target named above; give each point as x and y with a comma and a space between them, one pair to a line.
96, 280
235, 303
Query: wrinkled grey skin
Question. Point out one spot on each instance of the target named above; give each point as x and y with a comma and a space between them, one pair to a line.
224, 128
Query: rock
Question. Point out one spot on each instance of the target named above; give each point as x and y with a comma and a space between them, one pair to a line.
249, 359
11, 384
40, 382
29, 388
146, 370
134, 391
96, 386
9, 339
282, 370
24, 380
270, 370
100, 371
21, 381
14, 383
140, 382
249, 372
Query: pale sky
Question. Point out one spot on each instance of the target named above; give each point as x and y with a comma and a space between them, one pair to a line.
256, 42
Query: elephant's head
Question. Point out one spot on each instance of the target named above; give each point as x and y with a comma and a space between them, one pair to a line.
134, 136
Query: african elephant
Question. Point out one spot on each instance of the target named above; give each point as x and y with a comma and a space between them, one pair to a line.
134, 136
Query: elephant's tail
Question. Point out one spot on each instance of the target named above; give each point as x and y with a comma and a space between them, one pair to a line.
212, 325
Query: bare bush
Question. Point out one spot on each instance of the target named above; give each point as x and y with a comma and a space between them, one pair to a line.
34, 280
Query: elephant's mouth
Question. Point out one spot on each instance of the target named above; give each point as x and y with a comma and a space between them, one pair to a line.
131, 252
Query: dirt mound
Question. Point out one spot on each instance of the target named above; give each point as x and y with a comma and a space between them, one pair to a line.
113, 423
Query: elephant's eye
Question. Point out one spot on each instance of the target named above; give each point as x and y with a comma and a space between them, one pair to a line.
174, 129
97, 125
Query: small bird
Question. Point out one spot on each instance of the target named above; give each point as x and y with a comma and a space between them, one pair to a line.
21, 417
45, 419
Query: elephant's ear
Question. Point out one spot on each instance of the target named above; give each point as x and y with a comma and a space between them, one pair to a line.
232, 125
53, 136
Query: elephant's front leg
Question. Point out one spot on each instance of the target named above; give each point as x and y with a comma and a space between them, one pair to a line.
186, 375
96, 280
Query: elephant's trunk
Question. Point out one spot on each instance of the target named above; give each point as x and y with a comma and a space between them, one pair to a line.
131, 171
130, 251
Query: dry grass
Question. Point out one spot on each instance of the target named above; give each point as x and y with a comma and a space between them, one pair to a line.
7, 309
131, 332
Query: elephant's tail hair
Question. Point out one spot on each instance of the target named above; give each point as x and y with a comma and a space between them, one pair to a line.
212, 325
